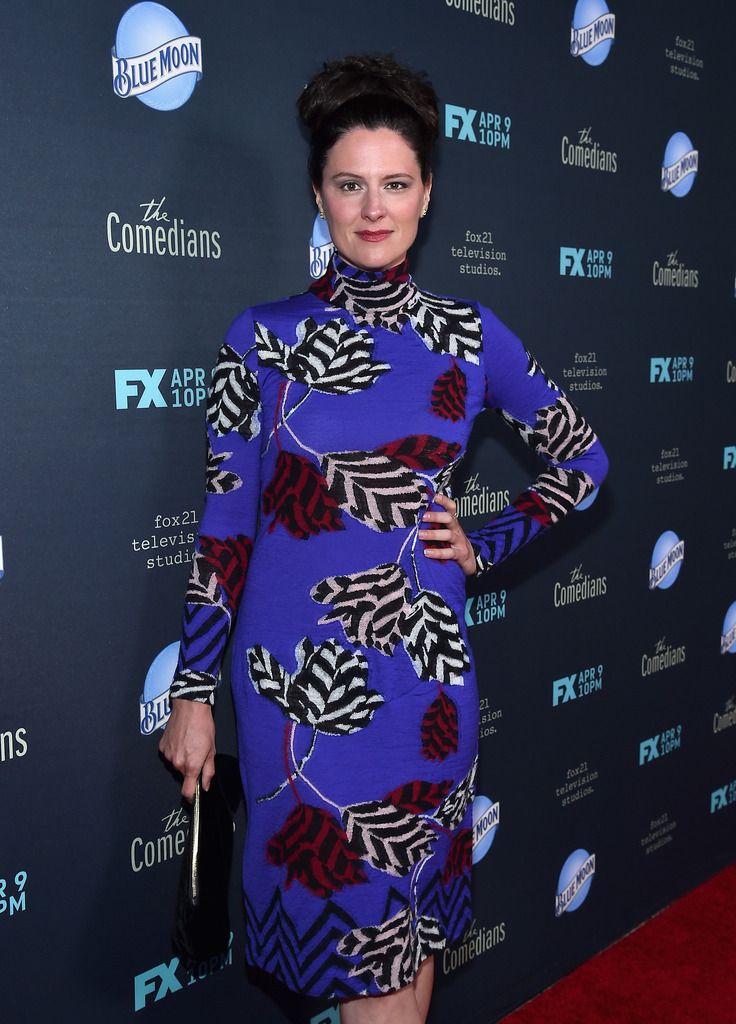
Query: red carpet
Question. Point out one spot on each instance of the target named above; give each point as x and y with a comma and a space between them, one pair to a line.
677, 968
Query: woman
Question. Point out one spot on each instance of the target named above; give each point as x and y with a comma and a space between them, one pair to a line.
335, 422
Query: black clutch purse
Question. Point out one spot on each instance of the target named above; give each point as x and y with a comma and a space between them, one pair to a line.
202, 922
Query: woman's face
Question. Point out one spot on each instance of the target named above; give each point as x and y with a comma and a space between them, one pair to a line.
372, 195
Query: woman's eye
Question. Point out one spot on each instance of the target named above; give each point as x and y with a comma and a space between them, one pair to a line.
397, 186
350, 186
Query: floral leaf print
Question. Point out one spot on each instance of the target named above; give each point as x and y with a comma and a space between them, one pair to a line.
269, 677
370, 605
449, 393
533, 367
561, 432
328, 690
418, 796
421, 451
203, 586
559, 490
194, 685
439, 730
388, 837
452, 809
392, 950
298, 497
229, 558
220, 481
433, 641
446, 325
460, 856
375, 490
330, 357
234, 398
313, 847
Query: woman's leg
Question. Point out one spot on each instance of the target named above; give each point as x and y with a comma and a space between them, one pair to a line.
423, 981
409, 1005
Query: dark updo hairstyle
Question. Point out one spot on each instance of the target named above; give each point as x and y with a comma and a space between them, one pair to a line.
362, 91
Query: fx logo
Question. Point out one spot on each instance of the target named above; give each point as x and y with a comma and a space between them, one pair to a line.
127, 383
571, 262
648, 750
729, 457
159, 980
563, 690
462, 119
659, 369
718, 799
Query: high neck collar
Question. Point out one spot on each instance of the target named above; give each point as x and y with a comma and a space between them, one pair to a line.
376, 298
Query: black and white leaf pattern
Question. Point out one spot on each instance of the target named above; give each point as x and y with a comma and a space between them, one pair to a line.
203, 586
446, 325
374, 489
533, 368
389, 838
220, 481
370, 605
452, 809
560, 432
234, 400
328, 690
433, 640
393, 950
330, 357
269, 677
562, 489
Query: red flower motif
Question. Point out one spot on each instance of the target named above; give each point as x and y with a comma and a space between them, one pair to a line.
229, 558
297, 496
313, 846
460, 857
439, 729
532, 505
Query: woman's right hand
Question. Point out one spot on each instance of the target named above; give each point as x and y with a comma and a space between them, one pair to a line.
188, 743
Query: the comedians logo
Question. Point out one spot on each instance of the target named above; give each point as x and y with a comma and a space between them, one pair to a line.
466, 124
474, 943
666, 562
723, 797
486, 817
671, 369
728, 633
320, 247
672, 273
479, 500
155, 234
663, 657
154, 704
595, 263
185, 388
496, 10
574, 882
155, 984
660, 745
155, 58
580, 587
725, 719
585, 152
679, 165
593, 31
579, 684
145, 853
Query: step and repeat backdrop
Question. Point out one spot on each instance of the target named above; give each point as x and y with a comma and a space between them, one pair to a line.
155, 185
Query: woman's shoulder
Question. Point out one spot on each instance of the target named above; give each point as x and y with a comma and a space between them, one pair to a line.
280, 315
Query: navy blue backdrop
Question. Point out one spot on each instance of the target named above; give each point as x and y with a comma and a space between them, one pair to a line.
583, 190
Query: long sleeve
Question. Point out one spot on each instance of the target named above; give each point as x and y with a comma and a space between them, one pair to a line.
227, 532
546, 420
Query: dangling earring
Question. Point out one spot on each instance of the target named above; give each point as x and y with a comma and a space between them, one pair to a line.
320, 211
424, 211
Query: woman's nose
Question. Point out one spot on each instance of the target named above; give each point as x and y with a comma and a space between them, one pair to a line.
373, 204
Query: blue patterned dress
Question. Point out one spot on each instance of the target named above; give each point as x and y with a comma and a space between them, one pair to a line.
334, 417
